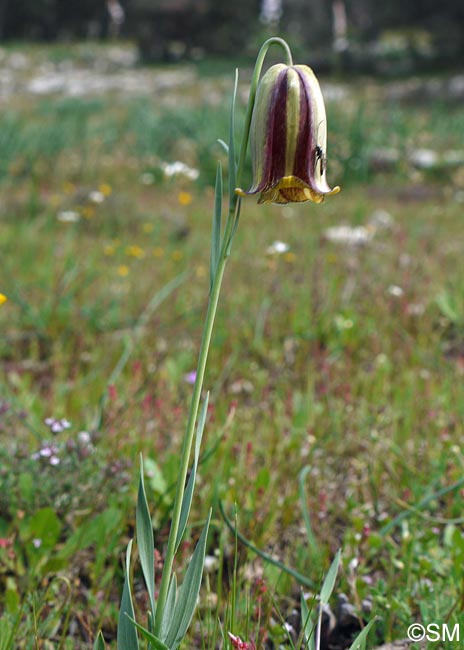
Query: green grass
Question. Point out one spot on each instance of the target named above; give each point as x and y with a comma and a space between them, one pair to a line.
314, 362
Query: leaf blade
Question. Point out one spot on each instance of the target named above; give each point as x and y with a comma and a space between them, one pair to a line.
304, 508
149, 636
145, 539
329, 582
169, 607
99, 642
188, 592
127, 636
307, 625
360, 642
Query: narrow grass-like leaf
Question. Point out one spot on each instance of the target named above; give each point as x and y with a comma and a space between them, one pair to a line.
233, 599
188, 494
224, 145
216, 228
307, 624
232, 163
145, 540
404, 514
304, 508
285, 628
127, 635
154, 641
169, 607
99, 642
303, 580
324, 597
329, 582
360, 642
188, 593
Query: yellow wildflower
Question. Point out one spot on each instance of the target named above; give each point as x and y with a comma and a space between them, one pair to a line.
290, 257
105, 189
123, 271
69, 188
200, 272
185, 198
88, 212
3, 298
135, 251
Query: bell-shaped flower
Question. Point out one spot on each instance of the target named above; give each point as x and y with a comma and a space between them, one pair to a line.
288, 137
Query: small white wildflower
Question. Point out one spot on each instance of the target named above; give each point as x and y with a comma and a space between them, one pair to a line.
381, 219
96, 196
395, 291
271, 12
424, 158
349, 235
277, 248
211, 600
37, 542
211, 563
57, 426
83, 437
342, 323
415, 309
54, 460
179, 169
68, 216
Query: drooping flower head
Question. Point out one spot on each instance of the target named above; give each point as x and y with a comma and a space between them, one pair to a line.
288, 137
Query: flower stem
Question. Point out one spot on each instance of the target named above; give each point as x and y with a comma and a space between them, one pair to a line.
193, 413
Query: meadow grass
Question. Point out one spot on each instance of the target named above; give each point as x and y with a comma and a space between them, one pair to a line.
344, 358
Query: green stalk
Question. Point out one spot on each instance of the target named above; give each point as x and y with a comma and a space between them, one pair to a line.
229, 232
193, 413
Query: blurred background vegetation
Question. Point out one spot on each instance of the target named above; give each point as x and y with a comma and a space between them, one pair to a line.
362, 35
